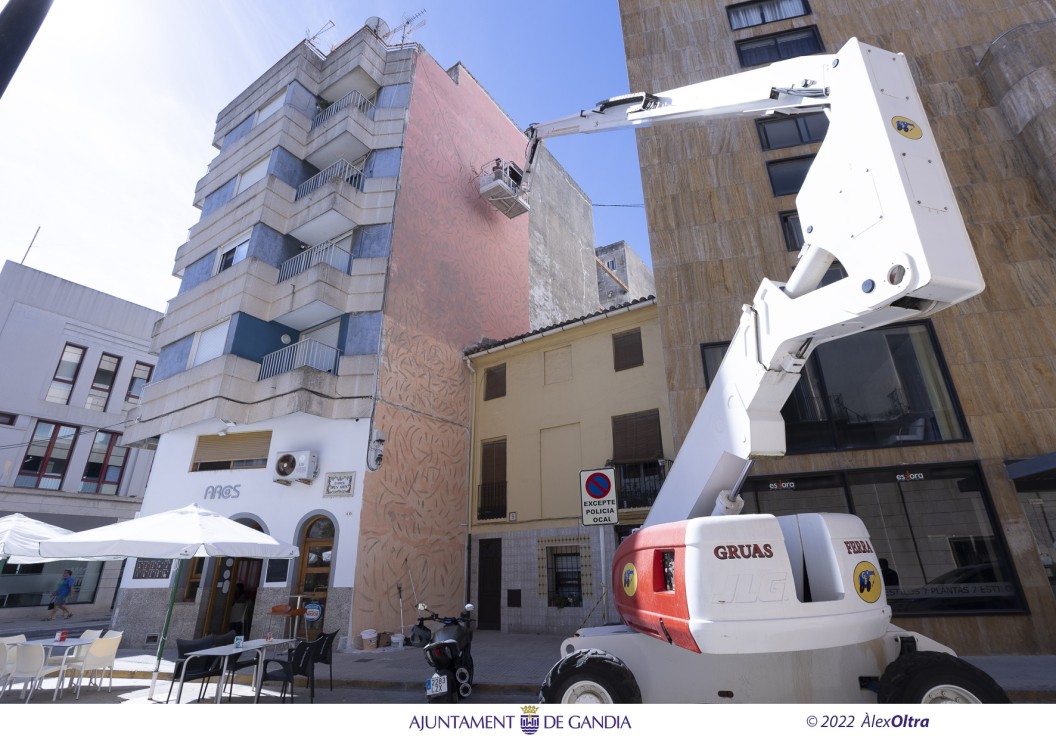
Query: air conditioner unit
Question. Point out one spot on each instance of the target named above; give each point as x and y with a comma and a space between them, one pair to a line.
295, 465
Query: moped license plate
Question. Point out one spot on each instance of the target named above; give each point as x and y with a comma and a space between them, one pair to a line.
436, 685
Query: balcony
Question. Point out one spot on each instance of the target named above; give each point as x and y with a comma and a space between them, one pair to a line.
639, 483
491, 501
354, 102
340, 170
306, 353
326, 252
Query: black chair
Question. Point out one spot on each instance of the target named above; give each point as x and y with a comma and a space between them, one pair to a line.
198, 668
300, 662
326, 653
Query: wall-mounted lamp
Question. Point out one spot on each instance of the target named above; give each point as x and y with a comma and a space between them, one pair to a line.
376, 450
228, 424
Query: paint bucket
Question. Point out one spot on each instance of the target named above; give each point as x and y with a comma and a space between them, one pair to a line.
370, 638
397, 641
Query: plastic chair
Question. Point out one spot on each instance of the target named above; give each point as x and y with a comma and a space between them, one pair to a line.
326, 653
113, 634
100, 657
31, 667
300, 662
68, 661
198, 668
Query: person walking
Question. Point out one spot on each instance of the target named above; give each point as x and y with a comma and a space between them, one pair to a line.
61, 594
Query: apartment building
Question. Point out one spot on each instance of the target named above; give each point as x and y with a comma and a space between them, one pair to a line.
575, 397
941, 433
311, 380
74, 365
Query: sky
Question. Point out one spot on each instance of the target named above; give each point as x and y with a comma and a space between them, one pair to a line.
108, 123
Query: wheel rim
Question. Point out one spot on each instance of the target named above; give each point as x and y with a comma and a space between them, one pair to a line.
947, 694
586, 691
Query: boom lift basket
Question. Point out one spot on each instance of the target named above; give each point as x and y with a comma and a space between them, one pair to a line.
500, 184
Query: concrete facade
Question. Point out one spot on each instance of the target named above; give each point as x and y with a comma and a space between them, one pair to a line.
59, 477
984, 71
553, 420
343, 261
622, 275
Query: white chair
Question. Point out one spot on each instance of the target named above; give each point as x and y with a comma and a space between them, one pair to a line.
8, 644
111, 634
31, 667
3, 670
100, 657
69, 661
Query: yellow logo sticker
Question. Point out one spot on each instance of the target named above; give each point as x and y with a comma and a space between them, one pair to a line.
630, 580
867, 582
907, 128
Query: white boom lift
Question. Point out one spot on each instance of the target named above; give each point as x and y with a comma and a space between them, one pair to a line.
718, 607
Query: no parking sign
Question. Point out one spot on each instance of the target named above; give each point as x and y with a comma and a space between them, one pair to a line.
598, 488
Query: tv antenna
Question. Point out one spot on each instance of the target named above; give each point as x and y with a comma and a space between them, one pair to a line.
409, 25
311, 38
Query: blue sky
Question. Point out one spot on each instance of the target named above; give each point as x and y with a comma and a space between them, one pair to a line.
107, 125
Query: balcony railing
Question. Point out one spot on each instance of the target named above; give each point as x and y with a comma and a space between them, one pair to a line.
340, 170
492, 501
326, 252
310, 353
353, 100
639, 483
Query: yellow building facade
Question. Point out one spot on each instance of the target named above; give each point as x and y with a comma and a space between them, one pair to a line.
583, 395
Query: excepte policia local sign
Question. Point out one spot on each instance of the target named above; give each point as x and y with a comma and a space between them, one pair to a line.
598, 489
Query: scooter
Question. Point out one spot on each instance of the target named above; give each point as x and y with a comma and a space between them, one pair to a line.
448, 652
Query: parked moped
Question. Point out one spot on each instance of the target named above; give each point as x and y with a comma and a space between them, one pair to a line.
448, 652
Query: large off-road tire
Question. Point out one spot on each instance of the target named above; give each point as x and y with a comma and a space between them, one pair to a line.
937, 677
590, 676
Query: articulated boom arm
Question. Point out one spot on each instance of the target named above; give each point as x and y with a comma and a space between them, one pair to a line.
876, 198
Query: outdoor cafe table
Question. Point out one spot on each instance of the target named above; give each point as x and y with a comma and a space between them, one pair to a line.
67, 645
257, 646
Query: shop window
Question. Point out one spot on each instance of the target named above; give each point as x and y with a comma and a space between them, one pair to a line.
788, 174
758, 12
627, 350
65, 374
883, 388
492, 492
233, 451
932, 563
106, 464
31, 586
47, 456
779, 46
563, 583
102, 382
495, 382
785, 131
317, 547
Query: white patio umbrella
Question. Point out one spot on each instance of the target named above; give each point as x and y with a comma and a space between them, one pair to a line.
20, 535
179, 534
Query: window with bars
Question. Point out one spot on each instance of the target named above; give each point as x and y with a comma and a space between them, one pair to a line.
491, 503
779, 46
627, 350
47, 456
563, 578
785, 131
758, 12
495, 382
65, 374
106, 464
102, 382
232, 451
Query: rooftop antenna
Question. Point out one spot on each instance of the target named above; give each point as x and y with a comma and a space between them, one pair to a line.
33, 240
310, 38
409, 25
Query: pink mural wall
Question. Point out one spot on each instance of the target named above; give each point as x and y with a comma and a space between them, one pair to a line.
458, 272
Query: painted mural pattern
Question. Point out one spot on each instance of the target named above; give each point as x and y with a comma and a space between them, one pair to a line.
458, 272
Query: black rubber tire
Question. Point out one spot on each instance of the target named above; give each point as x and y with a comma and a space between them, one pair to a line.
937, 677
590, 676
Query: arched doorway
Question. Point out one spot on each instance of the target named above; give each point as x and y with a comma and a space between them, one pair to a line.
313, 577
232, 590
